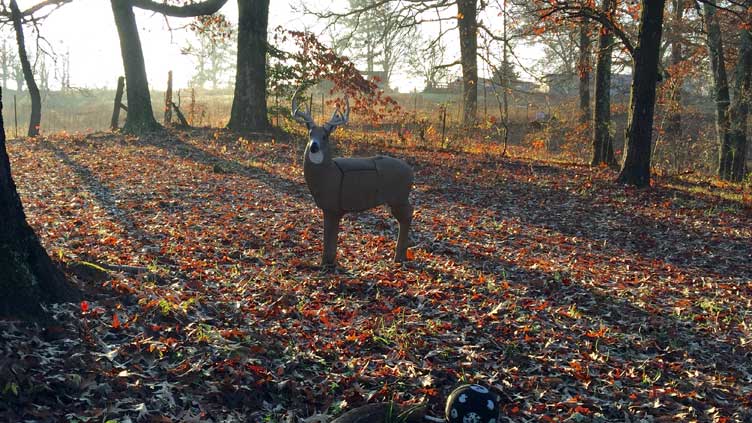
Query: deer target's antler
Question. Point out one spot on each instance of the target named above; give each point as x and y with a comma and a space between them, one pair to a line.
339, 117
299, 115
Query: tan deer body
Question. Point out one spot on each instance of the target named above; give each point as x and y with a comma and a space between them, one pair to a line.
343, 185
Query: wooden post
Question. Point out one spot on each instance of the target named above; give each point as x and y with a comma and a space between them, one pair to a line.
192, 107
276, 108
181, 118
168, 100
485, 100
415, 93
15, 114
118, 103
443, 123
310, 105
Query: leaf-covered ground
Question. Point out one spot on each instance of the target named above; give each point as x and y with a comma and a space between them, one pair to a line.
579, 299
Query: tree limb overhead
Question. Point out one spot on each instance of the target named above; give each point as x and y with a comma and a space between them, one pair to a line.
191, 10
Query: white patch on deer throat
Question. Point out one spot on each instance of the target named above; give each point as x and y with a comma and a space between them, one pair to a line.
317, 157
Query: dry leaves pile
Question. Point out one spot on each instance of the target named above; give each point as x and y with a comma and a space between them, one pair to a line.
580, 300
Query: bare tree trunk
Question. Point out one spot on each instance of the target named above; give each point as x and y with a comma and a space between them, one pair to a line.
28, 278
635, 169
249, 111
584, 71
140, 117
505, 66
36, 100
603, 147
739, 110
673, 124
722, 95
468, 25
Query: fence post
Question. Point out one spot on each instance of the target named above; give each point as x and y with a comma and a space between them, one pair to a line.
168, 100
15, 114
443, 123
310, 104
118, 103
192, 108
276, 108
485, 100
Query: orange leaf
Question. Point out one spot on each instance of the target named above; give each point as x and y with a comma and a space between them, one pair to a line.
115, 321
410, 255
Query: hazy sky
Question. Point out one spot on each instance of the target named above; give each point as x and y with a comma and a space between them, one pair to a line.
86, 28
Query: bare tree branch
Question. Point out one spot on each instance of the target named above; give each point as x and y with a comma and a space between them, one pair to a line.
206, 7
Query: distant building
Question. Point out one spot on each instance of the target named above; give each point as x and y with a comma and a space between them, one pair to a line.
567, 84
526, 87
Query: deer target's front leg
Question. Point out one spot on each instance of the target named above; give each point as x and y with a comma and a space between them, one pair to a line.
404, 215
331, 230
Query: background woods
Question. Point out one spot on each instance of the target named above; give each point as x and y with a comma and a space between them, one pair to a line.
582, 209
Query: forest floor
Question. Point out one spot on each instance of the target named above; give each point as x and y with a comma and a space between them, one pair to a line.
579, 299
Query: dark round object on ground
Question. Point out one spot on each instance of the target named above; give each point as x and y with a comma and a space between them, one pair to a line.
472, 404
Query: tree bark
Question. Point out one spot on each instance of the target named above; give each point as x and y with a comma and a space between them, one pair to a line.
721, 95
635, 169
739, 110
193, 9
28, 277
468, 26
673, 124
584, 71
36, 99
249, 112
140, 118
603, 147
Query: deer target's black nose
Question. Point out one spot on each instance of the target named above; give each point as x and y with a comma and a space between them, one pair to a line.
314, 147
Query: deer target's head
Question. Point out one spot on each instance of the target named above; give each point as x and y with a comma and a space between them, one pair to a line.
317, 150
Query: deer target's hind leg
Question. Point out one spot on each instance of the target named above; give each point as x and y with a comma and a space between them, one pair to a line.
331, 230
404, 215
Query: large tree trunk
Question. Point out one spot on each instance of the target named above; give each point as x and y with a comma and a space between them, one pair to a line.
140, 113
36, 100
635, 169
140, 117
249, 104
28, 277
603, 147
721, 95
739, 110
584, 71
468, 25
